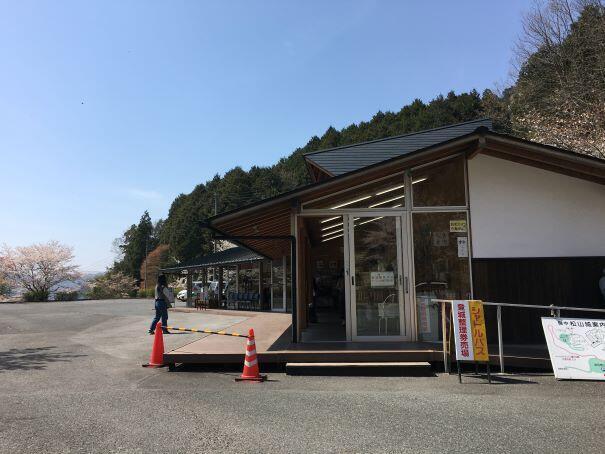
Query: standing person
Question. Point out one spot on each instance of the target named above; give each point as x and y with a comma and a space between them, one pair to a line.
163, 297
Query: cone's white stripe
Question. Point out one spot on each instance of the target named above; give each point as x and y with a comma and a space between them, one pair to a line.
251, 353
254, 362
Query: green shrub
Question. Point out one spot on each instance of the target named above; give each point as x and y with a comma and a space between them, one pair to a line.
149, 293
5, 288
35, 295
111, 285
66, 296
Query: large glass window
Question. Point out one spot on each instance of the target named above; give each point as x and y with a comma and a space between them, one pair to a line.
248, 277
440, 185
277, 285
441, 264
288, 284
387, 193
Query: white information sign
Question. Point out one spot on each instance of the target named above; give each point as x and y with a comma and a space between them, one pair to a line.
382, 279
576, 347
462, 246
462, 330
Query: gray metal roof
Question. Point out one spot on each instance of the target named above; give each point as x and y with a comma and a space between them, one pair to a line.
353, 157
229, 256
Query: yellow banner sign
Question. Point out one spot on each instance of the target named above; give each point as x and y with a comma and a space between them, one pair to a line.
469, 330
478, 330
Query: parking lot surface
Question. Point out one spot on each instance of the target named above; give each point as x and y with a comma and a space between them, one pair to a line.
71, 381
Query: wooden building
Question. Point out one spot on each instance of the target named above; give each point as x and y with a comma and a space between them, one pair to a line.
456, 212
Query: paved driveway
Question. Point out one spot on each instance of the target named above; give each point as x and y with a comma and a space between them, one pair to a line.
71, 381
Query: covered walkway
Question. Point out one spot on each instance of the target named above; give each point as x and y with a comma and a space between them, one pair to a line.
235, 278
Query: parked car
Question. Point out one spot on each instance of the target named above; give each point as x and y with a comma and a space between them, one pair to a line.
197, 289
182, 295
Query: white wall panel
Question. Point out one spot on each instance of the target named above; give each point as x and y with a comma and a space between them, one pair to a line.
522, 211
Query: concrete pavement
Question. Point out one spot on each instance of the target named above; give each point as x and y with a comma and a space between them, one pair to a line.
71, 381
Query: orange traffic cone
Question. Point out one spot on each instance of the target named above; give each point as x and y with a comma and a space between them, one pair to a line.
251, 372
157, 352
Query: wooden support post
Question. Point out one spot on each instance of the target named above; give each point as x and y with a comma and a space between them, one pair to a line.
260, 283
500, 343
189, 290
220, 286
446, 367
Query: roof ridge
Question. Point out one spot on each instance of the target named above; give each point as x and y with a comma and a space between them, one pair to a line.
397, 137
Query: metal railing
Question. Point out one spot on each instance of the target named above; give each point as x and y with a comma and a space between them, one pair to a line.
554, 311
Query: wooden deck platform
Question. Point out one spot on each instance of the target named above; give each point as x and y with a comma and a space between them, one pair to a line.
273, 345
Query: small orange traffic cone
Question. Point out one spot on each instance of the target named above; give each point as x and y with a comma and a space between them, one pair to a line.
157, 352
251, 372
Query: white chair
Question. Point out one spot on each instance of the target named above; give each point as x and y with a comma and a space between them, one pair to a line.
386, 310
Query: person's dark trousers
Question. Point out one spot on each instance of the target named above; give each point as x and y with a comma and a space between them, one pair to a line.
161, 312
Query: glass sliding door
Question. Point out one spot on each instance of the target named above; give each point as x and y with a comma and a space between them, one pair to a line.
377, 278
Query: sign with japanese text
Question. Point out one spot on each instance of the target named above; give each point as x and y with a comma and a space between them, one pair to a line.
462, 246
576, 347
382, 279
458, 226
469, 330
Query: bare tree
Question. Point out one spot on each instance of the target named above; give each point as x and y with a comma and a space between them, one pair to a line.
39, 267
559, 98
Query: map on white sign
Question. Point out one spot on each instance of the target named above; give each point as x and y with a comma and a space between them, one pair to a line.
576, 347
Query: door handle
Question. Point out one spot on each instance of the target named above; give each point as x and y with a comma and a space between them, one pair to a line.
407, 285
352, 280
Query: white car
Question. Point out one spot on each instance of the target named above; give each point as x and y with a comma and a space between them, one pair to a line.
182, 295
197, 289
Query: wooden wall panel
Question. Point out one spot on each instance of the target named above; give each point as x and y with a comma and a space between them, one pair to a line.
562, 281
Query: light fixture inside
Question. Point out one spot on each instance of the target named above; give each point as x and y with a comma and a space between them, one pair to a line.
350, 202
331, 226
332, 238
387, 201
390, 189
420, 180
332, 232
371, 220
330, 219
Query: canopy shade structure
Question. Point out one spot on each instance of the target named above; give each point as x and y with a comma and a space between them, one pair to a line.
231, 256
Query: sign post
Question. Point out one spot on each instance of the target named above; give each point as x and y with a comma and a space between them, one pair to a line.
470, 334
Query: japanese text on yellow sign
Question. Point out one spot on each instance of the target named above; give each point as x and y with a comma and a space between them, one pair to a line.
469, 330
478, 330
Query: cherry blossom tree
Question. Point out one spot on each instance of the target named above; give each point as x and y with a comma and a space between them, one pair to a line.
39, 267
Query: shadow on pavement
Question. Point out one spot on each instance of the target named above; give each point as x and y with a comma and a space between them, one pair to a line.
496, 380
32, 358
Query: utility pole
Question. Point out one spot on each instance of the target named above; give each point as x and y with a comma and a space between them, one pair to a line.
215, 213
146, 246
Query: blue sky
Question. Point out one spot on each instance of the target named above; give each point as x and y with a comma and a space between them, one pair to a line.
110, 108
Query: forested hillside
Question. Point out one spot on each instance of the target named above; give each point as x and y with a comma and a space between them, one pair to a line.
558, 99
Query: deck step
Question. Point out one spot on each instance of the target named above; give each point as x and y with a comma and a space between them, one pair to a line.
399, 368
